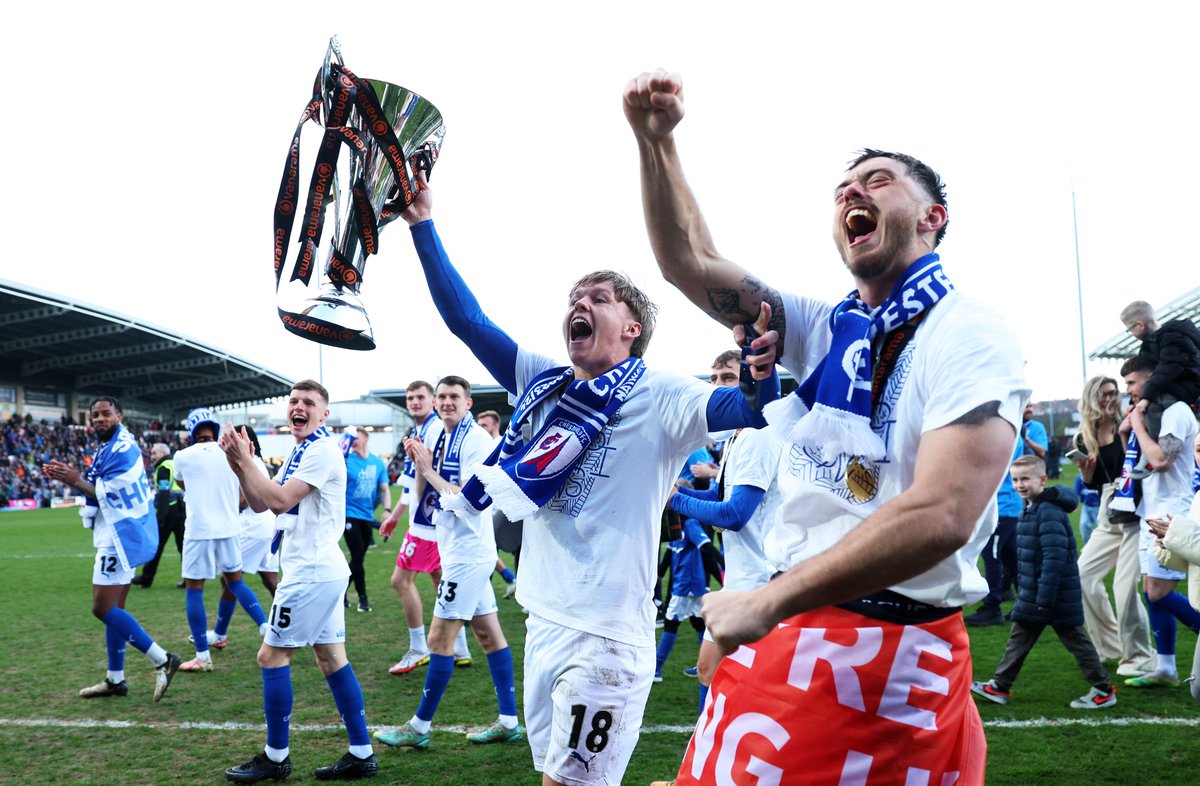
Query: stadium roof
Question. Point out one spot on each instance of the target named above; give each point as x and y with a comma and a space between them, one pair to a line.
1124, 345
49, 341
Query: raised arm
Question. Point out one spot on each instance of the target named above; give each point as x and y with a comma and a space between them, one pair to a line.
261, 492
732, 514
957, 470
454, 300
679, 235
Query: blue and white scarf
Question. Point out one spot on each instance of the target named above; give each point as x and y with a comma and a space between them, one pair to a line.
410, 472
285, 522
124, 499
1123, 498
447, 460
831, 410
519, 476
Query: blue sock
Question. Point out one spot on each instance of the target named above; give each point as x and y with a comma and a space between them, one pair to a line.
703, 696
225, 608
114, 642
249, 601
1178, 607
277, 704
348, 696
665, 645
128, 628
437, 677
1162, 625
500, 664
197, 618
508, 575
700, 638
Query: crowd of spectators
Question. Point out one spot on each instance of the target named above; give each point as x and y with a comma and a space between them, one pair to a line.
27, 444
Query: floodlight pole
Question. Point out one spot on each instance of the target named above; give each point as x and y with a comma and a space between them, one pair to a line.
1079, 288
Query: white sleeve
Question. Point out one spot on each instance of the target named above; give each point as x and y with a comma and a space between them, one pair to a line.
682, 405
755, 459
807, 334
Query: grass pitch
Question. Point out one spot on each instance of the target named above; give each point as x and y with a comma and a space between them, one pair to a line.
50, 646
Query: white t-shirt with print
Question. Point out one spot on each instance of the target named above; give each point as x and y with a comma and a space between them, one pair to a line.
311, 550
752, 460
210, 491
467, 538
1170, 491
962, 356
589, 556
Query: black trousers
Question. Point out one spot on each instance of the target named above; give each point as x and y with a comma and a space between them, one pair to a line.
170, 521
1024, 635
358, 540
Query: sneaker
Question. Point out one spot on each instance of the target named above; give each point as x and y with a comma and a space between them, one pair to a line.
105, 688
1155, 679
141, 581
989, 691
497, 733
462, 661
196, 664
985, 615
404, 737
690, 671
658, 676
349, 768
1096, 699
215, 642
411, 660
1132, 670
510, 589
662, 783
362, 603
259, 768
346, 601
164, 674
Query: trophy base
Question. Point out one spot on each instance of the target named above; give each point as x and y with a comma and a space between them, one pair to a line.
336, 318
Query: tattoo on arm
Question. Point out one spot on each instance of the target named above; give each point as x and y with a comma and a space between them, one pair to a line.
979, 415
727, 305
1172, 446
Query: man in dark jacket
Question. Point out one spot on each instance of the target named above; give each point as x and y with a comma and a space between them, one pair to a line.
168, 507
1048, 591
1174, 349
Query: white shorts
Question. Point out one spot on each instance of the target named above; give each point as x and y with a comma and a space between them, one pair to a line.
306, 613
107, 571
683, 606
256, 555
465, 592
585, 696
1150, 566
204, 559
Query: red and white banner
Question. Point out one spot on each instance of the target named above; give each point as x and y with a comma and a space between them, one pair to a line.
832, 698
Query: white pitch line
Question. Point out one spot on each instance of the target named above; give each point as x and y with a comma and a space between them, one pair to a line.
1034, 723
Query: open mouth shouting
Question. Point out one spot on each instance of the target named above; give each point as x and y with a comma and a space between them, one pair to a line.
860, 225
579, 329
299, 421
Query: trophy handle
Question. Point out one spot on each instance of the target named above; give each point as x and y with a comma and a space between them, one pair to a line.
391, 134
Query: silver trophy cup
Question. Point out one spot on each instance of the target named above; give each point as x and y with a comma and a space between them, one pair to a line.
376, 137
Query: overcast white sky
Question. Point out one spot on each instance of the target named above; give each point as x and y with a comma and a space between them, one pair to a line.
145, 143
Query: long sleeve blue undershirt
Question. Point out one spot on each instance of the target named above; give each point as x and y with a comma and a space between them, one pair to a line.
732, 514
727, 407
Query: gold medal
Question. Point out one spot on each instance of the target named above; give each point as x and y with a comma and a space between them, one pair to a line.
860, 479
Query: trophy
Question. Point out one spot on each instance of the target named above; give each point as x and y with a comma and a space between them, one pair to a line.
388, 135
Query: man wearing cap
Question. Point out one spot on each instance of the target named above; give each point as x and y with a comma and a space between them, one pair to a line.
210, 540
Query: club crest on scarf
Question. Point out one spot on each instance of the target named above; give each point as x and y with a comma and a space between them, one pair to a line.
828, 417
555, 452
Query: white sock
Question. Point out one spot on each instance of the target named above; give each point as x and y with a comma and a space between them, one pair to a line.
276, 754
1166, 664
116, 677
416, 639
262, 630
460, 644
156, 654
205, 657
508, 721
362, 751
420, 726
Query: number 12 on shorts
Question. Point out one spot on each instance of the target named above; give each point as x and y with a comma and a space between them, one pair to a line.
596, 738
